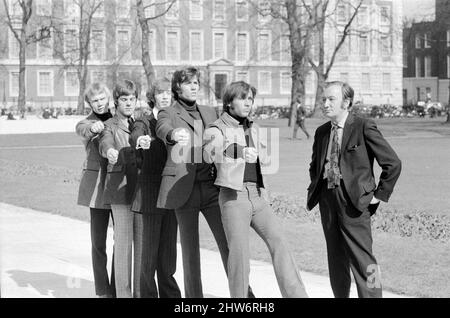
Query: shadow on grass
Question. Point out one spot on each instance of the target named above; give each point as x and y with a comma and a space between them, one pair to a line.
53, 285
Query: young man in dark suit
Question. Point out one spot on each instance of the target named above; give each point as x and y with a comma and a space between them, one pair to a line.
343, 183
92, 184
159, 236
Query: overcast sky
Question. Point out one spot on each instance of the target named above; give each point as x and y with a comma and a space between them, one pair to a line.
418, 9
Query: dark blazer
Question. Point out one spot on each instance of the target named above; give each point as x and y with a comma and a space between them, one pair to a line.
362, 142
150, 166
93, 176
121, 176
178, 177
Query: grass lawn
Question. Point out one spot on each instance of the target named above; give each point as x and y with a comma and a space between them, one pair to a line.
47, 180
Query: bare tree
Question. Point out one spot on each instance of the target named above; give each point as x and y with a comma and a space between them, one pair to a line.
324, 15
20, 28
142, 7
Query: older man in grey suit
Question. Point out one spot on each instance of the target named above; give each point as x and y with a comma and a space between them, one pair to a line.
119, 188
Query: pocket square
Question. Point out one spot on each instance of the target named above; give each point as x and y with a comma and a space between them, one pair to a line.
353, 148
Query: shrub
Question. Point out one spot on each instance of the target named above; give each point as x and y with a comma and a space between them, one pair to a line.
413, 224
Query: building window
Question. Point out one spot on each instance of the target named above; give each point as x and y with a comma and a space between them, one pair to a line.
264, 11
385, 14
173, 45
417, 40
427, 66
100, 9
45, 83
196, 10
219, 10
285, 82
98, 77
264, 46
98, 45
219, 44
71, 43
45, 48
265, 82
174, 11
241, 10
427, 41
418, 93
123, 44
71, 8
149, 8
242, 47
71, 84
363, 45
14, 8
365, 82
448, 66
386, 82
418, 67
363, 16
14, 83
341, 14
242, 76
44, 7
152, 44
385, 45
448, 38
122, 9
285, 48
344, 77
14, 46
196, 45
344, 49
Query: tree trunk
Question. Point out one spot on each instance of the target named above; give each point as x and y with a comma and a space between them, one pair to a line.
145, 32
22, 66
319, 92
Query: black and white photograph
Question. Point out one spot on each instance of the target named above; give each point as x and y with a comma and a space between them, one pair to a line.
240, 151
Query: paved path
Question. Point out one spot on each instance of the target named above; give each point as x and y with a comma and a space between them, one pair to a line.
45, 255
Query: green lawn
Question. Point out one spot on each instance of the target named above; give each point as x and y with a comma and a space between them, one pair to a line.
47, 180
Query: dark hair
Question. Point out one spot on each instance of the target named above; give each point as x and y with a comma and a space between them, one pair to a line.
234, 90
347, 91
182, 75
160, 84
122, 88
95, 89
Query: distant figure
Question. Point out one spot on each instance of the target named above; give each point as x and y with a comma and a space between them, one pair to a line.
343, 184
300, 119
10, 116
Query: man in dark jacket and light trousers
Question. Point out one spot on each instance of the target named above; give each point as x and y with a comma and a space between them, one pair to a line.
343, 183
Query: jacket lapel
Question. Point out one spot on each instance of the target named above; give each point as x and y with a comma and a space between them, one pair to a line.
208, 116
348, 129
184, 115
121, 125
323, 147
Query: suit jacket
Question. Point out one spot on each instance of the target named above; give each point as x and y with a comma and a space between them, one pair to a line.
362, 142
93, 176
121, 176
150, 166
179, 173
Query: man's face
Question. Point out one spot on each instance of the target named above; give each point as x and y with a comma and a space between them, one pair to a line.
241, 107
126, 105
189, 89
333, 106
99, 103
162, 99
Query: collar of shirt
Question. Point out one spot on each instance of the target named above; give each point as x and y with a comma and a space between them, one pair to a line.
341, 123
155, 112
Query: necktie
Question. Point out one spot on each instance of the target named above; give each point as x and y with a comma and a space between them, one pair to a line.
130, 123
334, 173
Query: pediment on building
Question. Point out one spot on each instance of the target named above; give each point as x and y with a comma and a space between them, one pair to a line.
221, 62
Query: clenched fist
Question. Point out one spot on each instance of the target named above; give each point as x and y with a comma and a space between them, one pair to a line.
97, 127
144, 142
250, 154
112, 155
181, 136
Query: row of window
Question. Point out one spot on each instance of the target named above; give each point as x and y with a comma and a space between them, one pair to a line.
172, 45
365, 45
424, 40
366, 81
45, 81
